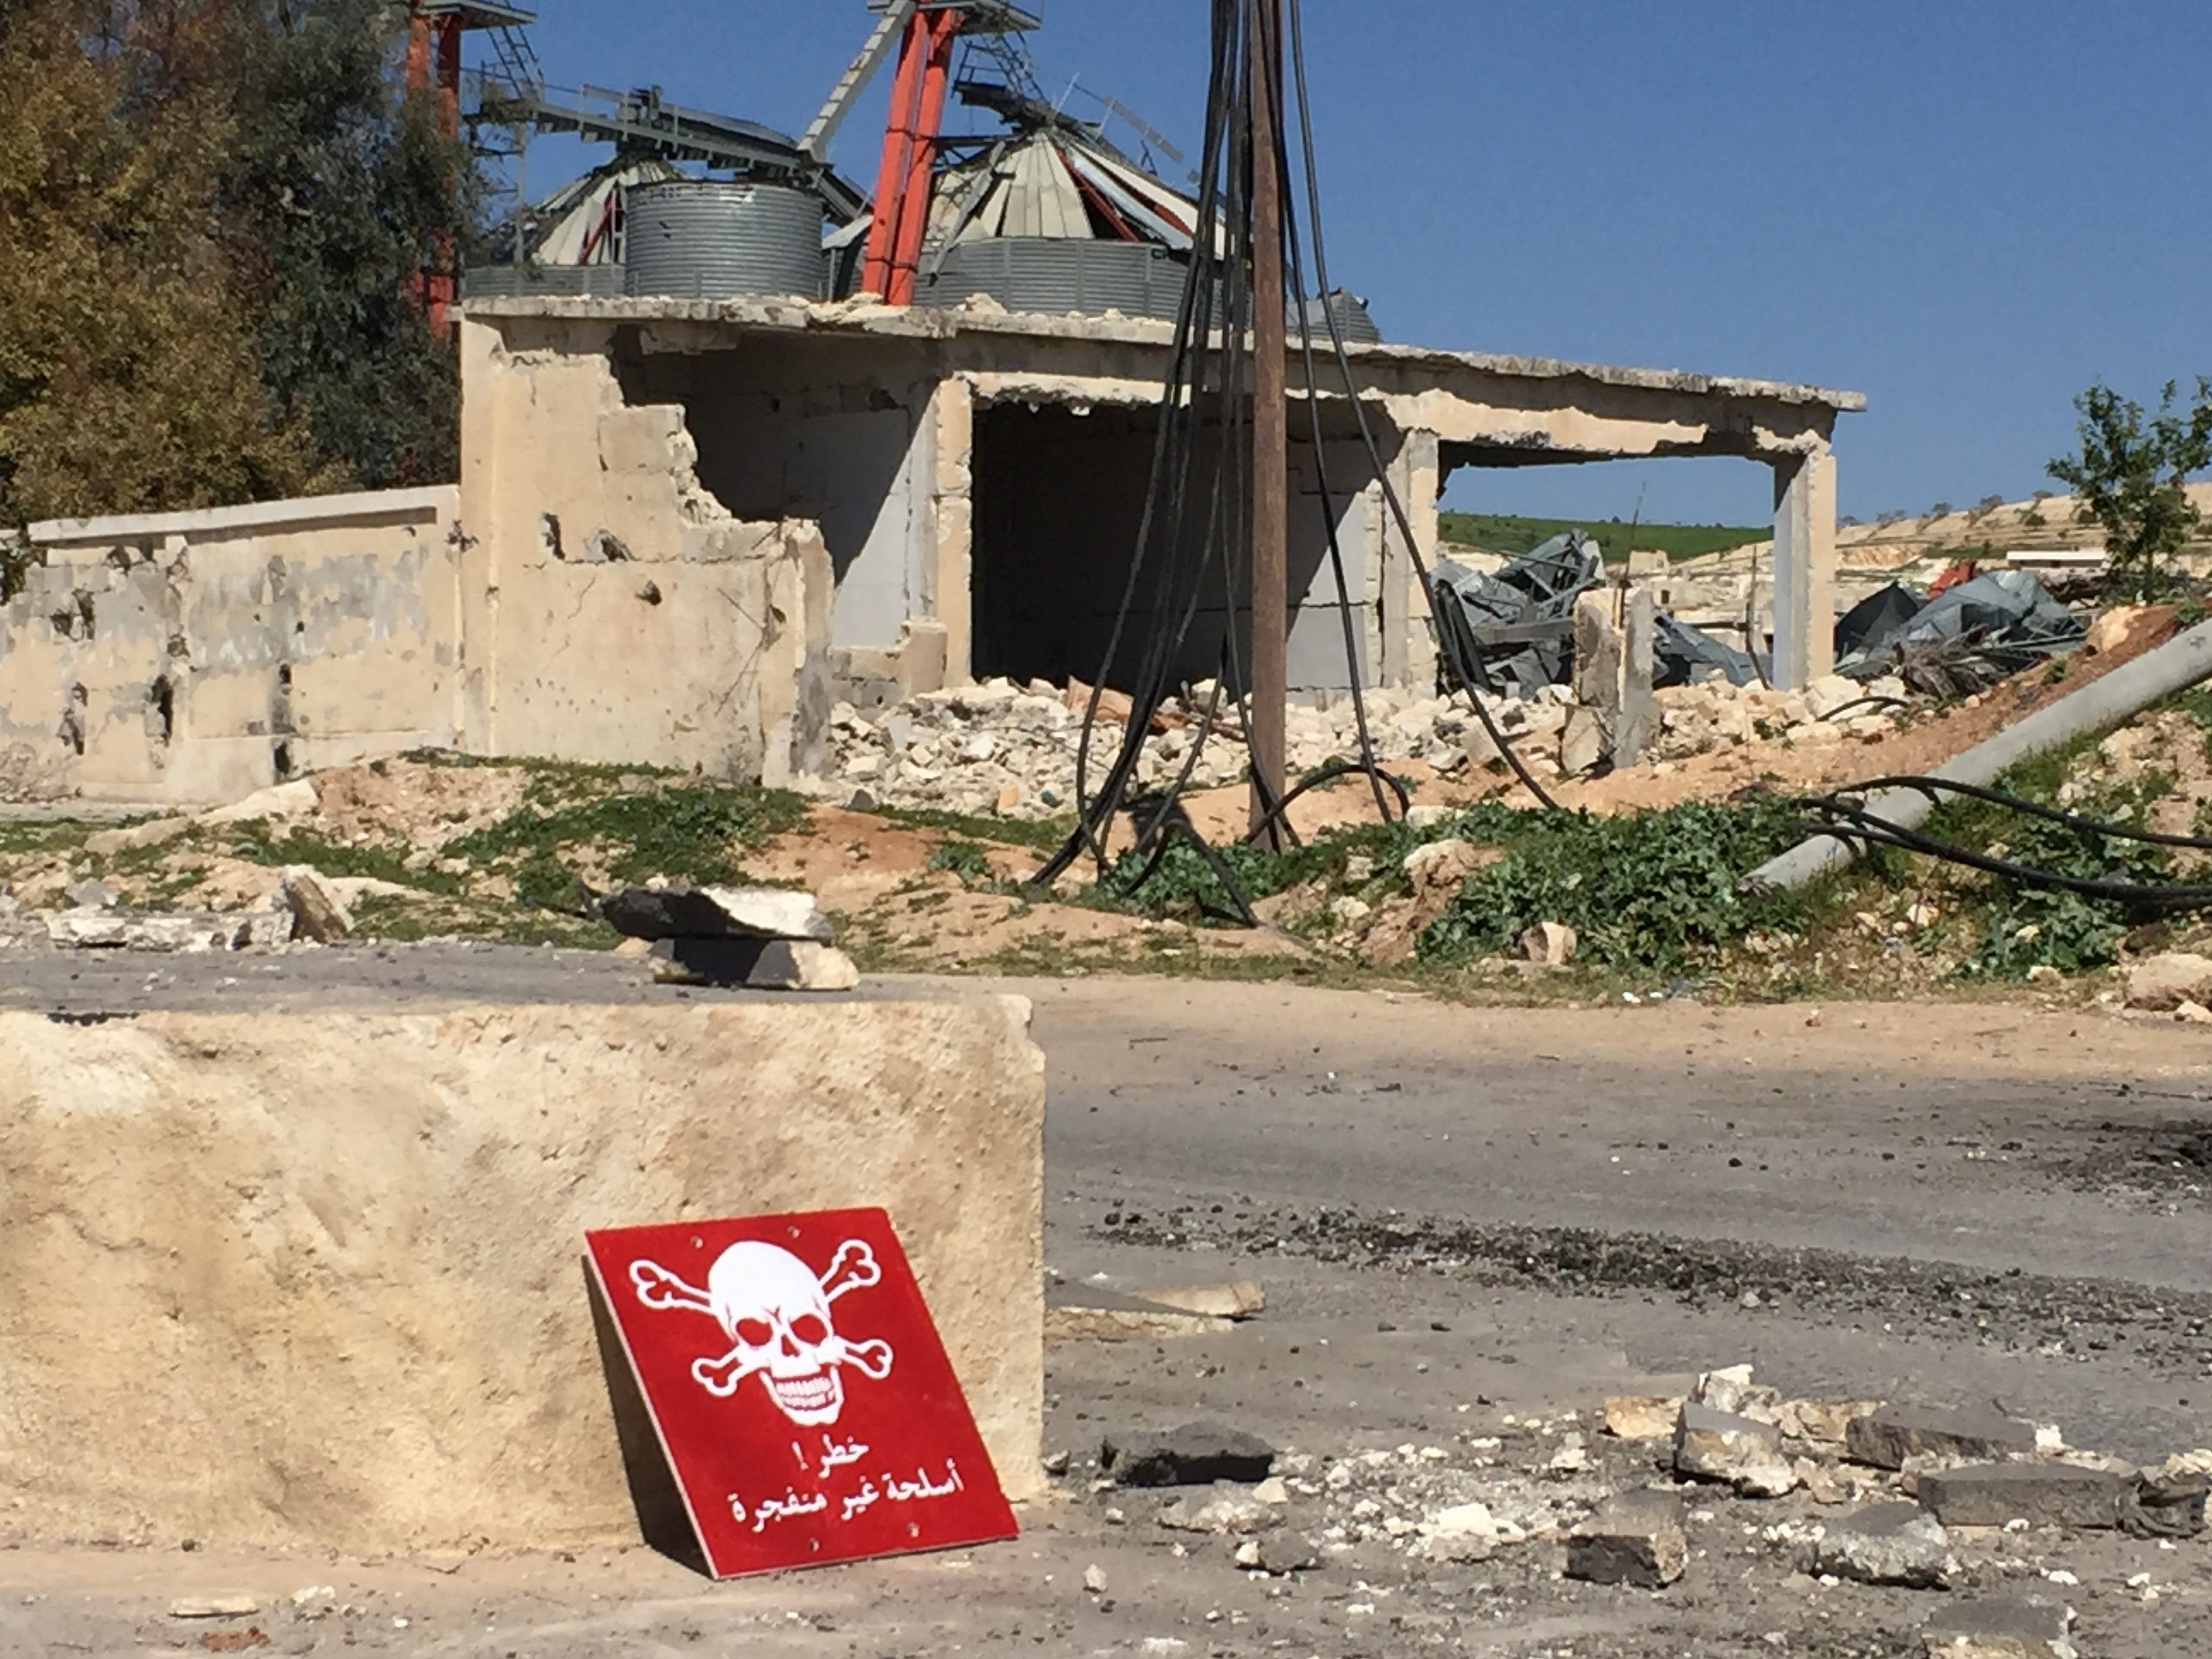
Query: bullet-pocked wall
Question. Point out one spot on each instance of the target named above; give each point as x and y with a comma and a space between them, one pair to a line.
1060, 495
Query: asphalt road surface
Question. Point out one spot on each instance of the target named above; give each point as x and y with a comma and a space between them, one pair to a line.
1470, 1224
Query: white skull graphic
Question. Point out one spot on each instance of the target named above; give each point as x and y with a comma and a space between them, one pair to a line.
776, 1311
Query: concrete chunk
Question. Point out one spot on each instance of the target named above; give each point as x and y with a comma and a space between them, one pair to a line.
1887, 1544
1643, 1416
1229, 1511
317, 912
1195, 1455
754, 964
2042, 1494
89, 930
679, 912
2000, 1630
1635, 1538
1886, 1438
1710, 1445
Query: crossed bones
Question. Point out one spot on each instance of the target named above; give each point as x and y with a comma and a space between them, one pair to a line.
853, 1268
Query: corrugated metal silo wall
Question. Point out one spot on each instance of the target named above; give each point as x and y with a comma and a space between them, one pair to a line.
709, 240
1054, 276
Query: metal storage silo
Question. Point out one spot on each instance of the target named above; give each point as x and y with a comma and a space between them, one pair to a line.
709, 239
1054, 275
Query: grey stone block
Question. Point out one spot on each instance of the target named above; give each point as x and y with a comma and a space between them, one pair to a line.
1635, 1538
2042, 1494
1712, 1445
1195, 1455
1887, 1544
1999, 1630
1887, 1438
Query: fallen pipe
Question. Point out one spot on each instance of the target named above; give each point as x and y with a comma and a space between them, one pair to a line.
2180, 663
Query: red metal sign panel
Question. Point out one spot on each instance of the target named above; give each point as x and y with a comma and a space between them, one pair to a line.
799, 1388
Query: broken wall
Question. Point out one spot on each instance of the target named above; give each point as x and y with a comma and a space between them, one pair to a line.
193, 658
615, 610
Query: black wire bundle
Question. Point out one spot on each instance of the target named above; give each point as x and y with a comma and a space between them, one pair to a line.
1194, 536
1846, 817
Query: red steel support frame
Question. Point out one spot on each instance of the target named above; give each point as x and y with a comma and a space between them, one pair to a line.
902, 185
434, 66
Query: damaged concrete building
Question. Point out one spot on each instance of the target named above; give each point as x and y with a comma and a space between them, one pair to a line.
693, 516
685, 528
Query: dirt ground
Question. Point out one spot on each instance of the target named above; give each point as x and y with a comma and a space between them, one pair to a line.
1472, 1226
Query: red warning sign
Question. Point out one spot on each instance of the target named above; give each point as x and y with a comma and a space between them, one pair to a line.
800, 1389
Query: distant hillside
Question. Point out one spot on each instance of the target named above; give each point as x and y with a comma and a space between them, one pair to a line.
1500, 532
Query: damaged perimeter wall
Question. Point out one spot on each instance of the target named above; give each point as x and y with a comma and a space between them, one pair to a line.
318, 1281
579, 597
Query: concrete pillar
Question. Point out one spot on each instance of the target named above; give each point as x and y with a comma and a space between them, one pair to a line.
1593, 724
484, 376
1408, 655
952, 517
1804, 568
1632, 737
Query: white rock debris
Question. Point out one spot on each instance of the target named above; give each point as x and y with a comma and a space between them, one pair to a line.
999, 748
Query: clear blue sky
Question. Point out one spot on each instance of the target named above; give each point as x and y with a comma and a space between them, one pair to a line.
1966, 209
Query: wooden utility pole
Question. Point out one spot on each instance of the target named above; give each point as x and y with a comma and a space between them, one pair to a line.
1271, 607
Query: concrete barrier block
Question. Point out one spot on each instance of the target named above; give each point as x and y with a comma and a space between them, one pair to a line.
316, 1279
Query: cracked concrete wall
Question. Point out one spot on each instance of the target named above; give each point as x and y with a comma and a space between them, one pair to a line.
613, 609
190, 658
316, 1281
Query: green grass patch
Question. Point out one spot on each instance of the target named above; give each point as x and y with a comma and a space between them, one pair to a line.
696, 833
1041, 835
1504, 532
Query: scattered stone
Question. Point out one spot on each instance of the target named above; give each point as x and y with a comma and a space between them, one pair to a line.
1281, 1553
263, 930
1274, 1490
1196, 1455
1643, 1416
1460, 1535
1635, 1538
2041, 1494
296, 799
1427, 817
318, 913
1094, 1579
1886, 1438
1828, 1422
678, 912
1444, 865
214, 1607
1245, 1300
184, 935
1732, 1390
1821, 1483
89, 930
1231, 1512
2000, 1630
1887, 1544
1057, 1463
754, 964
1550, 945
2163, 983
159, 832
1711, 1445
90, 895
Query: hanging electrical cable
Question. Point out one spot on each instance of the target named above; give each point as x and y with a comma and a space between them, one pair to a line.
1202, 460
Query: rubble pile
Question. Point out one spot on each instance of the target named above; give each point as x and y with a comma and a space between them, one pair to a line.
1009, 750
1654, 1490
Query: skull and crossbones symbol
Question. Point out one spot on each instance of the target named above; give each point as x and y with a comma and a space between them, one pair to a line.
775, 1309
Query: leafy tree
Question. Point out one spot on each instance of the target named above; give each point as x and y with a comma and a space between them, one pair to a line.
2130, 474
337, 190
128, 379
